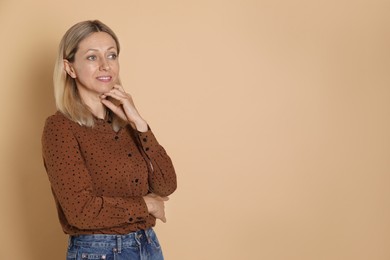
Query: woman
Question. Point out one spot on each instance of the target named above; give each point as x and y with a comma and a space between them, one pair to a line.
109, 176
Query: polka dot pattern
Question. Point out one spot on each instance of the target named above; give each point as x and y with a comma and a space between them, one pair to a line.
99, 176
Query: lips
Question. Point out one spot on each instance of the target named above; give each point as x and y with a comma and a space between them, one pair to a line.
104, 78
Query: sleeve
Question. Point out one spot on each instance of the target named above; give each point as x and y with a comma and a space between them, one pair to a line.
72, 185
162, 177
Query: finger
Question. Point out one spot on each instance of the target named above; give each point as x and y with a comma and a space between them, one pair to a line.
117, 86
116, 96
117, 110
117, 92
111, 106
119, 89
161, 198
107, 103
163, 219
152, 195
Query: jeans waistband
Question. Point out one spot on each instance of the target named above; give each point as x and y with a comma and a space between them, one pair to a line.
111, 241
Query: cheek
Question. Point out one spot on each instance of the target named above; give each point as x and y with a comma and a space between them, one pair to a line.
115, 67
115, 71
85, 70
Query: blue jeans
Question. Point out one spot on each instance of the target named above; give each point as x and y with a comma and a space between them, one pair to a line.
140, 245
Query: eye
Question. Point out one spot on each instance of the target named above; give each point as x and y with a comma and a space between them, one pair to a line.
91, 58
112, 56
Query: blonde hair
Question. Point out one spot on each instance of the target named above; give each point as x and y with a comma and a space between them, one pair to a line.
67, 98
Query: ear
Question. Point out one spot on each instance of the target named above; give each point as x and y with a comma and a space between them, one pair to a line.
69, 69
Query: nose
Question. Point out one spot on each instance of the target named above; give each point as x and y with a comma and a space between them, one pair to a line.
104, 65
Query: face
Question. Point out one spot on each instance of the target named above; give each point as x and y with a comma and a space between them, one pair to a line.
95, 67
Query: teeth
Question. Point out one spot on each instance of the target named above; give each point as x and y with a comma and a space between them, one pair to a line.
104, 78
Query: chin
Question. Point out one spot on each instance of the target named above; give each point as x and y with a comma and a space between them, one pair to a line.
106, 87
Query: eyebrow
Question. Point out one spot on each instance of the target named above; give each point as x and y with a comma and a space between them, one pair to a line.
98, 50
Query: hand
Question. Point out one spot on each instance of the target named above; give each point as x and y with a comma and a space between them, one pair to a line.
156, 206
126, 109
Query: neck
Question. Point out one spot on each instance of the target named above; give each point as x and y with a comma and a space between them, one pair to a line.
95, 105
97, 110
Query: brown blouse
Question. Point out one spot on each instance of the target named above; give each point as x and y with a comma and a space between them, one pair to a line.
98, 176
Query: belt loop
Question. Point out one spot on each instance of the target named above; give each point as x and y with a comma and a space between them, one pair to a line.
119, 243
146, 231
70, 242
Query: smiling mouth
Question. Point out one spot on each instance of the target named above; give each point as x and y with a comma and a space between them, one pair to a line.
104, 78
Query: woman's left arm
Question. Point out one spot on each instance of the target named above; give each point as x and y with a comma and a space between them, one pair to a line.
162, 178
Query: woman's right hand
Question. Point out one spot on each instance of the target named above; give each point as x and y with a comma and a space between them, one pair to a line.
156, 205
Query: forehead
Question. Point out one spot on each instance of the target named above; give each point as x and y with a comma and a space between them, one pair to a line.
97, 40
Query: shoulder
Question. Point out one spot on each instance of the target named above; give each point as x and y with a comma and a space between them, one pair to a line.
58, 130
58, 123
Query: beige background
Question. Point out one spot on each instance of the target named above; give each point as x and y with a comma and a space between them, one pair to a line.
275, 112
